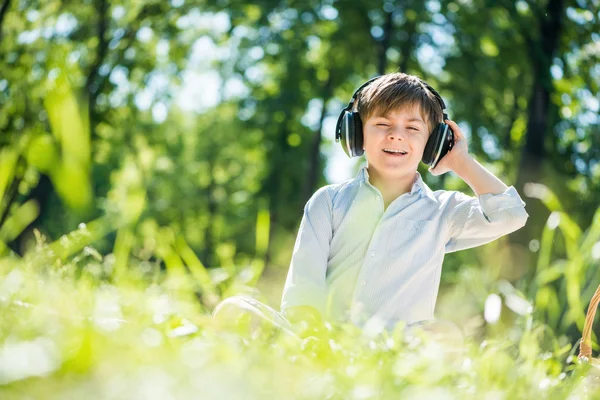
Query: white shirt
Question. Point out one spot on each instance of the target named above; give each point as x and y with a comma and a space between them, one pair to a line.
355, 262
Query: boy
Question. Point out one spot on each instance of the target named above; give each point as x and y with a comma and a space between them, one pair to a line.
369, 251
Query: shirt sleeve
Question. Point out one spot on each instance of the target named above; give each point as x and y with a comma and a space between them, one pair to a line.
474, 221
306, 284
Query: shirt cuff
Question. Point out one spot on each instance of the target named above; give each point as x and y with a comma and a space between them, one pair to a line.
491, 203
305, 295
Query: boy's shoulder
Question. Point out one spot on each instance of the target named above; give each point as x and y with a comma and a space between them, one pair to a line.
334, 190
328, 193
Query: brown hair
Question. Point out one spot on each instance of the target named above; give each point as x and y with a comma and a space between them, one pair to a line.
396, 90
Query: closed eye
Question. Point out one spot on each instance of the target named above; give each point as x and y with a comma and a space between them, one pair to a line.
382, 125
414, 128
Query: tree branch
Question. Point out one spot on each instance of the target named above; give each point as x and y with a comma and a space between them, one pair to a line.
384, 44
3, 12
101, 9
129, 36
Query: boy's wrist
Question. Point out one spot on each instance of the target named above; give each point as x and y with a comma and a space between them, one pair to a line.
463, 165
478, 177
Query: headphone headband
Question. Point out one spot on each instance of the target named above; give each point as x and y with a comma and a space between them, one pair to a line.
357, 91
438, 97
338, 126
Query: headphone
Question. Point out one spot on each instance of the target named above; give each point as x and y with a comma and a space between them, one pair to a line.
349, 130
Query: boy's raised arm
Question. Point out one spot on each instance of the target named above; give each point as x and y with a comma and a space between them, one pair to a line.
498, 209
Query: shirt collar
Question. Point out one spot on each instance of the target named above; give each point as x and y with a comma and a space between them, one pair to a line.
419, 186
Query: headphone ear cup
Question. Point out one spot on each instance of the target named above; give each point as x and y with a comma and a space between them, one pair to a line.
433, 144
345, 124
439, 144
351, 134
357, 135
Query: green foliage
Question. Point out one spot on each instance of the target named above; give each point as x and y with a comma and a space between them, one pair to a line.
566, 274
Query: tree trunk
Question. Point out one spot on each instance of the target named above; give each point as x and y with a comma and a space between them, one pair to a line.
410, 27
533, 153
272, 184
3, 12
315, 148
91, 85
384, 44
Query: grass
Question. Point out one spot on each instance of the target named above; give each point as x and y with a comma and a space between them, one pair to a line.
68, 331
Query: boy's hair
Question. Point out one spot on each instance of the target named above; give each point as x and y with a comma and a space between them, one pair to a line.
396, 90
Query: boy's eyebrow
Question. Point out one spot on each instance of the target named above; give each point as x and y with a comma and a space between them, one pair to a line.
416, 119
413, 119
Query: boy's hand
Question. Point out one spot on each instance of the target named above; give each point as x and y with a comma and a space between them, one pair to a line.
456, 155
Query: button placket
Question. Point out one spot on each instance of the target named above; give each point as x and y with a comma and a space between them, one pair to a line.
361, 281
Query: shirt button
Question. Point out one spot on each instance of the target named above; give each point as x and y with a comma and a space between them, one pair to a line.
372, 254
363, 283
377, 197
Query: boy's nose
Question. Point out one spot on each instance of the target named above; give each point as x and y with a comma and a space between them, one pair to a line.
396, 134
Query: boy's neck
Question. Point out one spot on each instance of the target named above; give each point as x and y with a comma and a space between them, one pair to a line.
391, 187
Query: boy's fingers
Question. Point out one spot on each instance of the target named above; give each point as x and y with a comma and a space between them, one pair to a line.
450, 122
454, 126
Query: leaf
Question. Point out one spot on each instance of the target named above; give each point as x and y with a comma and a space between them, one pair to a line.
8, 163
19, 219
198, 270
551, 274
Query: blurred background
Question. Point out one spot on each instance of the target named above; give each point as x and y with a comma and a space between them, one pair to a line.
191, 134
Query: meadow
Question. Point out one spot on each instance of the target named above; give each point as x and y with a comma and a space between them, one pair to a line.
73, 325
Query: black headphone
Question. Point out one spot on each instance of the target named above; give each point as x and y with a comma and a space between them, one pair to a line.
349, 130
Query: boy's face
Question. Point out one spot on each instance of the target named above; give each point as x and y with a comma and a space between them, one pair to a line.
403, 129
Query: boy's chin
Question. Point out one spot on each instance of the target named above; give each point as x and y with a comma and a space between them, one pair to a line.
394, 171
402, 172
400, 165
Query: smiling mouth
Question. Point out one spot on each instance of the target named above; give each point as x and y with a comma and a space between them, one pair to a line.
395, 152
